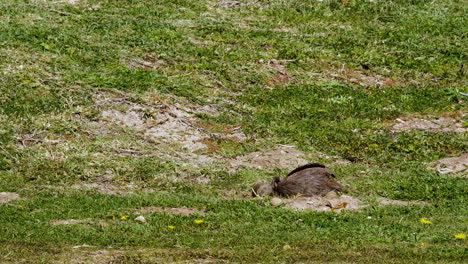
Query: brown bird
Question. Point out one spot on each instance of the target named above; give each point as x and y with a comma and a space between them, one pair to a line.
309, 180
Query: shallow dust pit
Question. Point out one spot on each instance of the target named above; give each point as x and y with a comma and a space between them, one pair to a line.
163, 120
85, 254
453, 165
334, 203
147, 62
6, 197
105, 184
285, 157
87, 221
441, 124
323, 204
230, 4
358, 77
129, 118
70, 221
171, 210
177, 131
385, 201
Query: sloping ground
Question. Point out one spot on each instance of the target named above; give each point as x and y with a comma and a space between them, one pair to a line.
433, 124
452, 165
168, 124
132, 131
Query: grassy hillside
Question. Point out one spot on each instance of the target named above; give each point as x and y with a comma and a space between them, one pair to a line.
111, 107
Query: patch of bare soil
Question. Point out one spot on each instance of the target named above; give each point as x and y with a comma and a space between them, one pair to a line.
280, 72
103, 256
87, 221
105, 188
334, 203
147, 62
329, 203
281, 157
361, 78
230, 4
284, 157
453, 165
208, 260
6, 197
72, 2
70, 221
167, 122
433, 124
172, 210
105, 184
385, 201
278, 80
86, 254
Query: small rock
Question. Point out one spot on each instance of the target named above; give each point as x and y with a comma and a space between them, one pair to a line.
141, 219
275, 201
286, 247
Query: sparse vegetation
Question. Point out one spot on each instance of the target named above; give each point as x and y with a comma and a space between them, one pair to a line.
107, 107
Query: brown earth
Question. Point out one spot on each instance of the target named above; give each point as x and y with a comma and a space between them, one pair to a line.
172, 210
452, 165
6, 197
431, 123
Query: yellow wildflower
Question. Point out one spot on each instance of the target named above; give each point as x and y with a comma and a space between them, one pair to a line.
460, 236
423, 244
425, 221
125, 217
171, 227
199, 221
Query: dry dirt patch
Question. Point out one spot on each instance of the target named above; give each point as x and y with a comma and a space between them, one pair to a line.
70, 221
85, 254
73, 2
385, 201
334, 203
329, 203
361, 78
172, 210
430, 123
285, 157
6, 197
169, 121
147, 62
230, 4
280, 72
105, 184
87, 221
453, 165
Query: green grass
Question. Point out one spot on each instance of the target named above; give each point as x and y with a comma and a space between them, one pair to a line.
56, 58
